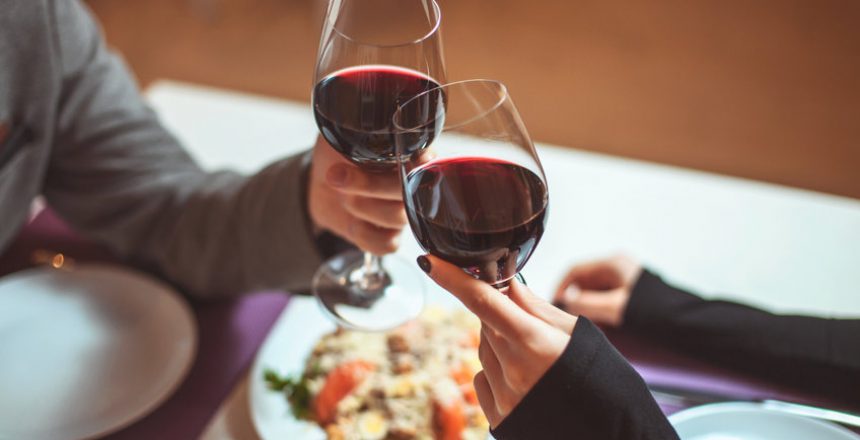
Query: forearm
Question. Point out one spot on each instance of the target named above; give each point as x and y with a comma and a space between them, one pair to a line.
591, 392
235, 234
796, 350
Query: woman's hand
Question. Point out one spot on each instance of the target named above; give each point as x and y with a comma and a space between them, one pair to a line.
363, 208
599, 290
521, 336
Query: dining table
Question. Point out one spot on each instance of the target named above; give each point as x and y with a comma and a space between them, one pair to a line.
785, 250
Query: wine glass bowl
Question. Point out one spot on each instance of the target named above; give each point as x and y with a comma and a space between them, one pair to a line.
474, 189
353, 109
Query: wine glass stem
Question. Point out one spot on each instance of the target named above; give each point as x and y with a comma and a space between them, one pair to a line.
372, 263
370, 277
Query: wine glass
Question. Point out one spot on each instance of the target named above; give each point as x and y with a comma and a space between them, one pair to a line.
373, 55
474, 189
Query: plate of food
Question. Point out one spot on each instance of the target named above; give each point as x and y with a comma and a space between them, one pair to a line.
312, 381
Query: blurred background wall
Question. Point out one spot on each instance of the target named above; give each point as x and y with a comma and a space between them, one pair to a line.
763, 89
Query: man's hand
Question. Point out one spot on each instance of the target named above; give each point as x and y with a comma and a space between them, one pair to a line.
361, 207
599, 290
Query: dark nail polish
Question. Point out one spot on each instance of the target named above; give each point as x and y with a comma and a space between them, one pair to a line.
424, 263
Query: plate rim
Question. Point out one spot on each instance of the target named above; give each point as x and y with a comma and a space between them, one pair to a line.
257, 367
169, 292
695, 412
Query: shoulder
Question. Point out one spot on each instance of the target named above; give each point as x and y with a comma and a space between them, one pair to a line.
76, 32
22, 22
27, 46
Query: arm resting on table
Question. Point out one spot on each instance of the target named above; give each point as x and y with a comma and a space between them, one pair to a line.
818, 354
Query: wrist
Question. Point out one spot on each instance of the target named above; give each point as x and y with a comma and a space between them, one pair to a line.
616, 307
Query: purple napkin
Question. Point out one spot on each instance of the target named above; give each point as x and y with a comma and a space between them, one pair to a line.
230, 334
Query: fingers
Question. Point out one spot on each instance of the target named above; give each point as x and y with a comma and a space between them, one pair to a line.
601, 274
490, 305
373, 239
509, 365
328, 214
492, 369
349, 179
537, 306
585, 275
565, 295
604, 307
486, 399
363, 208
383, 213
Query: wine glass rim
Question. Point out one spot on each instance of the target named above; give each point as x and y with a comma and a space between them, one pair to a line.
436, 9
503, 96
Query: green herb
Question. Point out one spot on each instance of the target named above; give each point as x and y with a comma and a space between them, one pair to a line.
296, 390
276, 382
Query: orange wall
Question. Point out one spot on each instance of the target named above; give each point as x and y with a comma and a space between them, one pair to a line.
766, 89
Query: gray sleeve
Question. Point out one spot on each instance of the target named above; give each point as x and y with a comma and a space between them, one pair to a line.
120, 178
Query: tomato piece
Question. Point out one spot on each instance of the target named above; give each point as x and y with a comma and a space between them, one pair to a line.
449, 420
338, 384
469, 393
461, 374
471, 340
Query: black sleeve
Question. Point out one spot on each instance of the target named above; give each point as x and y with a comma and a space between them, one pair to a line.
817, 354
591, 392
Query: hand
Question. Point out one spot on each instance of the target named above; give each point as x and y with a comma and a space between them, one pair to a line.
599, 290
521, 336
362, 207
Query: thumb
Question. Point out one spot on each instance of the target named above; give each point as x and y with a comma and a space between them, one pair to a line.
601, 306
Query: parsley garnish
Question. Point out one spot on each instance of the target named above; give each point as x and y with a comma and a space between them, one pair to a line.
296, 391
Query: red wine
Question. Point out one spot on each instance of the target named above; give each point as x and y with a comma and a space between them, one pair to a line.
354, 109
484, 215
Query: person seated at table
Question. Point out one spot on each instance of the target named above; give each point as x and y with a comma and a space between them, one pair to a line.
818, 354
74, 128
548, 374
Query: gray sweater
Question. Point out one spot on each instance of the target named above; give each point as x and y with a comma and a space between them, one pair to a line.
73, 127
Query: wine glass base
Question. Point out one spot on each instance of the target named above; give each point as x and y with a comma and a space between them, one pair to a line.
396, 298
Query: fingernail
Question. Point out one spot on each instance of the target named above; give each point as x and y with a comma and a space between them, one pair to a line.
424, 263
572, 292
337, 175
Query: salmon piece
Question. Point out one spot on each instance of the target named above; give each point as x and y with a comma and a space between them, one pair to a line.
338, 384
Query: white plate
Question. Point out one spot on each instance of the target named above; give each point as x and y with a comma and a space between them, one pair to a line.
88, 351
750, 421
